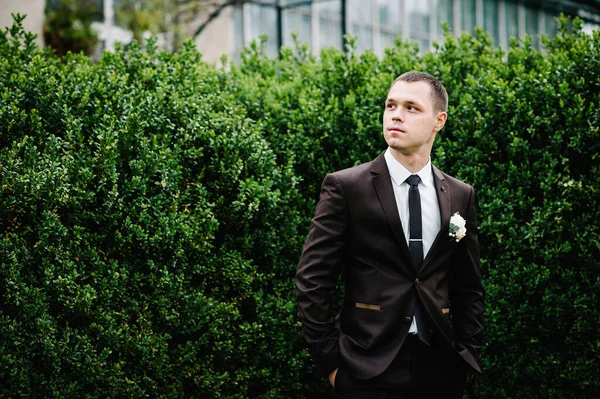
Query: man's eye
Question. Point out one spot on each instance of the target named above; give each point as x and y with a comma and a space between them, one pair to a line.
411, 108
390, 106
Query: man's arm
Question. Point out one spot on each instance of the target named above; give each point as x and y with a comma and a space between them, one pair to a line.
467, 292
318, 272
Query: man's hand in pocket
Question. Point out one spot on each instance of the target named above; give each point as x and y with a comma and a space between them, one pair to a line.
332, 377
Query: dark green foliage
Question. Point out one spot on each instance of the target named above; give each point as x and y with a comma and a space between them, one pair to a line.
524, 131
149, 238
153, 209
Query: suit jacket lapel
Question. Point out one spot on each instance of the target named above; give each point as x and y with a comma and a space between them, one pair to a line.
444, 199
383, 186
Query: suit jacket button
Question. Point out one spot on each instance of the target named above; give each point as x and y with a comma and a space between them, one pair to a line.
417, 282
407, 319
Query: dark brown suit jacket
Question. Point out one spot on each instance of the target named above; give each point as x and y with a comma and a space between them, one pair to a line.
357, 231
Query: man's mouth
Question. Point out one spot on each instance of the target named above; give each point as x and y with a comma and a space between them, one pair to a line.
396, 129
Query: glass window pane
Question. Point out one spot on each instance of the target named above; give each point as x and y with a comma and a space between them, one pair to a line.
238, 33
297, 20
389, 22
490, 20
550, 24
443, 14
468, 16
359, 11
360, 22
531, 25
512, 20
418, 16
387, 39
263, 20
330, 24
389, 15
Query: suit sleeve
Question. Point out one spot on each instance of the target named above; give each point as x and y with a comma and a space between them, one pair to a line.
467, 292
318, 272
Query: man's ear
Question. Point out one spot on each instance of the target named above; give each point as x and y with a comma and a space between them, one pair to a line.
440, 121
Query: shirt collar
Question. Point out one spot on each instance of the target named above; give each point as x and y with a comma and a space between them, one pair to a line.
399, 173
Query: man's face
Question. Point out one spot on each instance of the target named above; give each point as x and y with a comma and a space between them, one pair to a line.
409, 121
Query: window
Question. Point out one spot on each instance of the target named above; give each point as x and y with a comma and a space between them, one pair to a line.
490, 20
297, 20
550, 25
238, 33
531, 25
377, 23
418, 17
512, 19
468, 16
263, 21
443, 14
330, 23
389, 22
360, 22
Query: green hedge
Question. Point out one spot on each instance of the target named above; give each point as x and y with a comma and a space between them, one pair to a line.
154, 207
523, 129
148, 232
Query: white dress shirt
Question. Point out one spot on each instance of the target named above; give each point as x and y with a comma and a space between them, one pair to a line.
430, 209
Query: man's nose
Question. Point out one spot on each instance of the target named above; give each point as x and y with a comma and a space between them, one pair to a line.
398, 115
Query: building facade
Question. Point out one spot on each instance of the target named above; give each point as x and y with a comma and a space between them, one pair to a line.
324, 23
376, 23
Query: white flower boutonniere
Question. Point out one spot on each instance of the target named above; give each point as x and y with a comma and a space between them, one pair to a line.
458, 227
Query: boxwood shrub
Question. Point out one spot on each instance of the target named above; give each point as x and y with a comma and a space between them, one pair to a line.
149, 237
154, 207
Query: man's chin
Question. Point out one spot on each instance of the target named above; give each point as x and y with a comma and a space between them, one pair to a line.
397, 147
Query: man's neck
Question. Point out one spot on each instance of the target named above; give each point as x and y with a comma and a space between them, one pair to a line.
413, 162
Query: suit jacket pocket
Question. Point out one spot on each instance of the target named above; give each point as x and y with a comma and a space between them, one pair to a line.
362, 323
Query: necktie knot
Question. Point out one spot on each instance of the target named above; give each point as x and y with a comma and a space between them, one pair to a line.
413, 180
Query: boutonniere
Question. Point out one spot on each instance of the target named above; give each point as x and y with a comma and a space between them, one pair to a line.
458, 227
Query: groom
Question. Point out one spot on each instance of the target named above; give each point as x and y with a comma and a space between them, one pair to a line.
403, 235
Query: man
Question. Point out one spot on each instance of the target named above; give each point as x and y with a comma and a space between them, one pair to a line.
411, 320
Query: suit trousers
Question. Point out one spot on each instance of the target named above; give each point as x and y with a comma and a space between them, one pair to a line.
419, 371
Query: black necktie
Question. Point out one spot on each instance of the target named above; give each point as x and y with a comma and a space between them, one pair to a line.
415, 227
415, 246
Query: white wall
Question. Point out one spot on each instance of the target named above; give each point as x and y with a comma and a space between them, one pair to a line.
34, 9
216, 39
